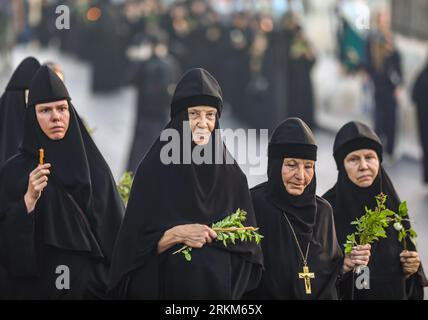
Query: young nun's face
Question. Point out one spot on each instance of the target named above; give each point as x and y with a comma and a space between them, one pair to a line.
53, 118
202, 123
362, 167
297, 174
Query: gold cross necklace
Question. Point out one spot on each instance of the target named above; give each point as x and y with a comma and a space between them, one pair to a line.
305, 275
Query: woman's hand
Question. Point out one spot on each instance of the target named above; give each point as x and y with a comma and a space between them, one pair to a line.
359, 256
37, 181
410, 261
191, 235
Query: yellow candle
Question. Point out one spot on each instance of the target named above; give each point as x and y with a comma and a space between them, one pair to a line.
41, 156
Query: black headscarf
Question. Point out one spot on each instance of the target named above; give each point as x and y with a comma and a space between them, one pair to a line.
12, 108
197, 87
310, 217
166, 195
350, 204
349, 200
293, 139
80, 209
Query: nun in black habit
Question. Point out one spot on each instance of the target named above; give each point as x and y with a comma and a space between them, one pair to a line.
383, 65
12, 108
155, 79
173, 204
12, 112
394, 274
300, 98
420, 99
66, 212
302, 257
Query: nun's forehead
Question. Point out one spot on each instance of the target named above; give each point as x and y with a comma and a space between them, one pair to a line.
202, 108
361, 151
288, 159
53, 103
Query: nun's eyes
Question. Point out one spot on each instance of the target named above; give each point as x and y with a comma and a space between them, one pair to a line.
195, 115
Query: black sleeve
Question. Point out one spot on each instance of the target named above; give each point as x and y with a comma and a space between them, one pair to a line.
415, 285
344, 284
19, 240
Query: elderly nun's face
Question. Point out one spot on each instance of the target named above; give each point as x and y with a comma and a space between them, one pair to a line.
202, 123
362, 167
53, 118
297, 174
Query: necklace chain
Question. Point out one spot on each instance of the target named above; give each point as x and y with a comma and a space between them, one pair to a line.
304, 257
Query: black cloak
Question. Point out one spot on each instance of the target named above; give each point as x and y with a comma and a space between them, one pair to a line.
77, 218
348, 201
12, 108
420, 99
166, 195
310, 216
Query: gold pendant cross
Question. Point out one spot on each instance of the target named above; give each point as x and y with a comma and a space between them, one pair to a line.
306, 275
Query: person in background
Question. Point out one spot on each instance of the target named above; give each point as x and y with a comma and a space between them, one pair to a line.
420, 99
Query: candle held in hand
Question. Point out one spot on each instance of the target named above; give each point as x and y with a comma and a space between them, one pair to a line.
41, 156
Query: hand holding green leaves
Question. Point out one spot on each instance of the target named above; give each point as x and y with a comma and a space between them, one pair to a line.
229, 230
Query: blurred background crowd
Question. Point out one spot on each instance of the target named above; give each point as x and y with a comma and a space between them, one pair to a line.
324, 61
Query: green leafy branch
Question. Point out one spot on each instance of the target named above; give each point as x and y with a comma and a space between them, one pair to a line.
124, 186
371, 226
229, 230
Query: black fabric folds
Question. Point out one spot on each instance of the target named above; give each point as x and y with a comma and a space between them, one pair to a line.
12, 108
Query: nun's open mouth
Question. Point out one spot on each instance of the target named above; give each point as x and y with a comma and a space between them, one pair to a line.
201, 138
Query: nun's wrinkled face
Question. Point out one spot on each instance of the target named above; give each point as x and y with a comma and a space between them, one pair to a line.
362, 167
53, 118
202, 123
297, 174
